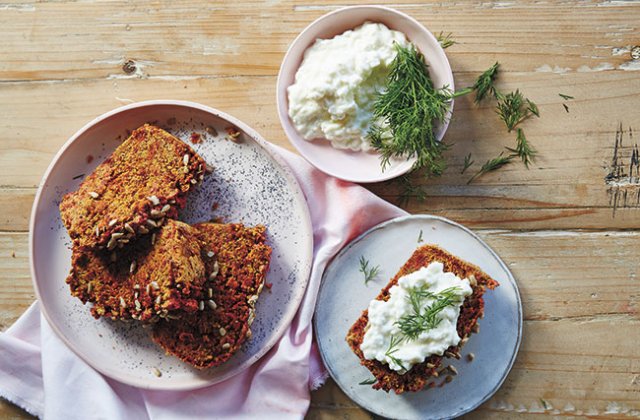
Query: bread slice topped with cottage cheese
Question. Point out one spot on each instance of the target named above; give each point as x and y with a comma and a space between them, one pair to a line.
426, 312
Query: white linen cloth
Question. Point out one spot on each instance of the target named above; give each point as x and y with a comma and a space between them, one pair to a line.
40, 374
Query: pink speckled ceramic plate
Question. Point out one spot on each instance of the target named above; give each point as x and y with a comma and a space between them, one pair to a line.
250, 185
343, 164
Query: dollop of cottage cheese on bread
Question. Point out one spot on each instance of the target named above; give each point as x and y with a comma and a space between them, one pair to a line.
384, 316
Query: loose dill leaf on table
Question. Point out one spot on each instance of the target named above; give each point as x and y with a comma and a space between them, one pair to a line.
565, 97
420, 237
445, 41
566, 108
491, 165
410, 109
485, 84
523, 149
369, 272
467, 163
513, 108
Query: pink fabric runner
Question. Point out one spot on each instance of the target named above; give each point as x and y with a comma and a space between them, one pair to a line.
56, 383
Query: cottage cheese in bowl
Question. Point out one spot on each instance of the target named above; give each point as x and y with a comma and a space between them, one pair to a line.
337, 83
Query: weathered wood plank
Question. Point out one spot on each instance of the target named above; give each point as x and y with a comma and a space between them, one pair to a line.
74, 40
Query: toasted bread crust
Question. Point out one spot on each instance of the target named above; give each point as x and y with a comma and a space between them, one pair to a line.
210, 337
420, 375
114, 198
166, 278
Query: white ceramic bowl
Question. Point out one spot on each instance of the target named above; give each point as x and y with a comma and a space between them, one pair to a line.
343, 164
250, 184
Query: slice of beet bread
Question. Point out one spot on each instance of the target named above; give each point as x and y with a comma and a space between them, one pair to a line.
158, 275
472, 308
236, 260
144, 180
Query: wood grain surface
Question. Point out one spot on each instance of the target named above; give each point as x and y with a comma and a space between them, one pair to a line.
568, 227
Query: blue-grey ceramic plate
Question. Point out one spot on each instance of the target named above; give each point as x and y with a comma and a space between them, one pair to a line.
343, 296
250, 184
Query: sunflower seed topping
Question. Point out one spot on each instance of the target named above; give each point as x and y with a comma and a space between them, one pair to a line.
215, 270
89, 287
153, 238
194, 181
165, 208
132, 268
97, 231
208, 169
143, 230
201, 305
154, 200
249, 333
470, 357
452, 369
210, 254
212, 304
157, 372
222, 332
154, 285
112, 243
158, 300
156, 214
210, 293
117, 235
129, 229
113, 222
472, 281
94, 194
123, 304
185, 159
152, 223
226, 346
430, 365
138, 306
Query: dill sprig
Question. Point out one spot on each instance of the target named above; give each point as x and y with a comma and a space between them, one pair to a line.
491, 165
420, 237
513, 108
523, 150
424, 319
467, 163
394, 346
370, 381
485, 84
445, 41
565, 97
409, 110
369, 272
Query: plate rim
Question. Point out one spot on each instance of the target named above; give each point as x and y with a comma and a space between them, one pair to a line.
502, 264
264, 145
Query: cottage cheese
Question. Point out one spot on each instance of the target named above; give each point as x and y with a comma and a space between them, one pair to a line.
384, 315
337, 83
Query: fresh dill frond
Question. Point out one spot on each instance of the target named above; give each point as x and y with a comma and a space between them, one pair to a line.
445, 41
492, 165
426, 318
566, 108
513, 108
565, 97
523, 149
484, 84
420, 237
410, 110
370, 381
467, 163
394, 346
369, 272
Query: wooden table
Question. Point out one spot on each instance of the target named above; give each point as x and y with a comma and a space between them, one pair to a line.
569, 227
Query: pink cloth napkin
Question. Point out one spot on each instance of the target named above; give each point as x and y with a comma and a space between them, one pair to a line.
55, 383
